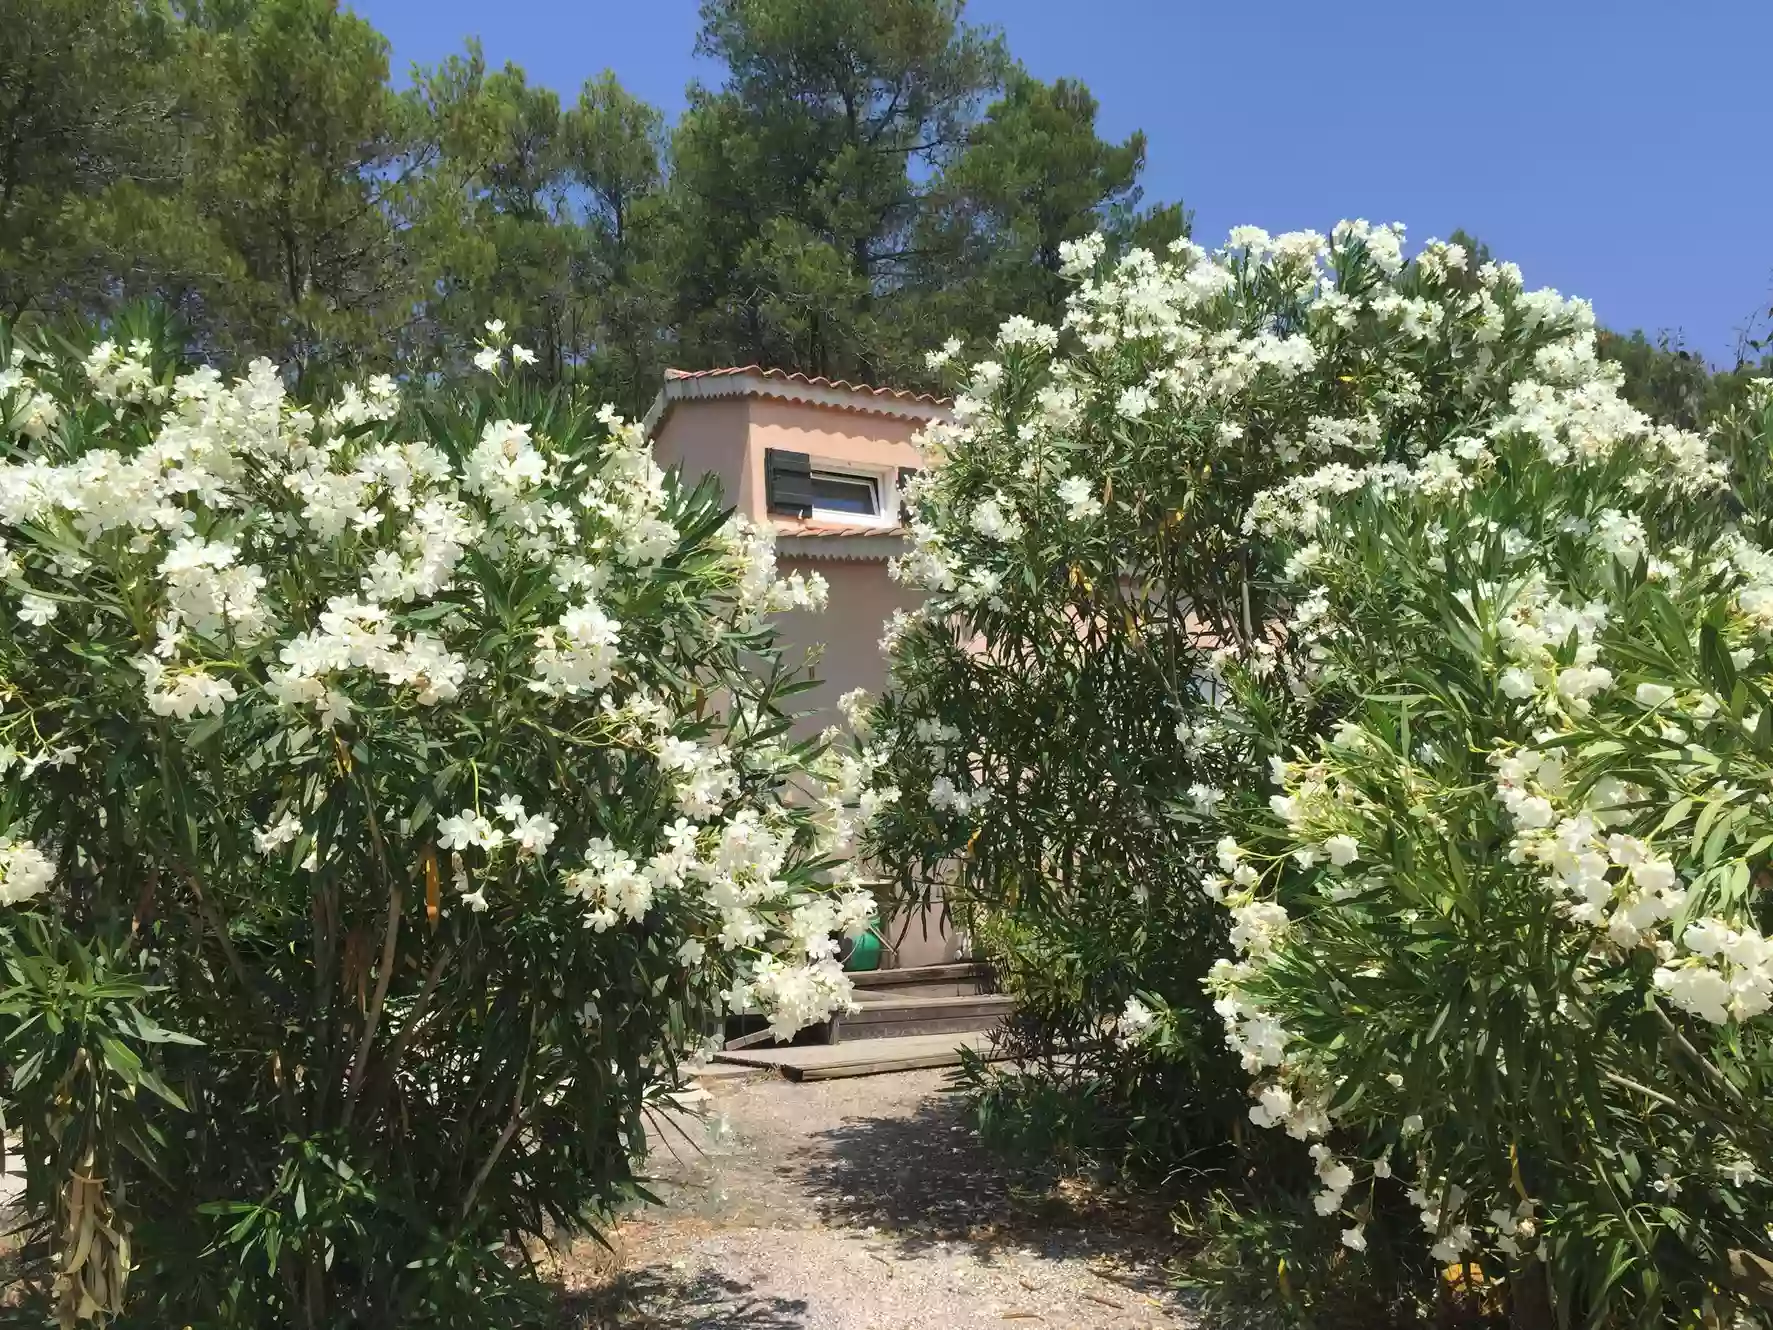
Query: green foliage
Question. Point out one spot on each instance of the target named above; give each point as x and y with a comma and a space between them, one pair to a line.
92, 93
1033, 175
1306, 511
291, 171
834, 204
795, 183
1258, 1258
1549, 682
394, 796
1669, 383
497, 236
1075, 1096
1662, 379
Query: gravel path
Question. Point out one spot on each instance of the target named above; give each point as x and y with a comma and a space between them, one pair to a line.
864, 1204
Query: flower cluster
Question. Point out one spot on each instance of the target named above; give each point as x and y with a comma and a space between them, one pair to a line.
578, 654
1545, 727
795, 996
430, 737
356, 634
1387, 521
760, 591
490, 357
324, 562
1726, 974
1604, 879
25, 871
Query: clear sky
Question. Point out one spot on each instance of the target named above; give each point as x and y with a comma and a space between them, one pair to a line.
1620, 150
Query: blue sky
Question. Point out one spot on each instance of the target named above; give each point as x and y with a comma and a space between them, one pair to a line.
1619, 151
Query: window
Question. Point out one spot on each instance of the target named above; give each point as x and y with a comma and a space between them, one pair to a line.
846, 493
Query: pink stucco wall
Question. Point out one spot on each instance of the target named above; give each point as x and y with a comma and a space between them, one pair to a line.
728, 438
863, 598
825, 435
709, 438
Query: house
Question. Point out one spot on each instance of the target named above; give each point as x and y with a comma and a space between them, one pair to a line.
822, 462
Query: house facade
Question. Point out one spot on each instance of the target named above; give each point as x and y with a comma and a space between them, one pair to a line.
821, 462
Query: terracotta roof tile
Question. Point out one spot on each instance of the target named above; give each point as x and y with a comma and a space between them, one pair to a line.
795, 526
756, 381
810, 381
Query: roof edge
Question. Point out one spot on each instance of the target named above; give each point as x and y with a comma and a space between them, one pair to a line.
842, 548
752, 381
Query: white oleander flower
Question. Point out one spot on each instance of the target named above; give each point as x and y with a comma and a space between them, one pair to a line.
25, 871
1653, 694
36, 610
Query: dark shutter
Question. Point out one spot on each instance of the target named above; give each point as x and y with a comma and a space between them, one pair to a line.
905, 475
788, 482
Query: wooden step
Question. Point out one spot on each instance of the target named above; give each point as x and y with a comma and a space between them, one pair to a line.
869, 1057
962, 979
890, 1017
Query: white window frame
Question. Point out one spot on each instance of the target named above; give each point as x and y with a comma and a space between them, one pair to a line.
886, 492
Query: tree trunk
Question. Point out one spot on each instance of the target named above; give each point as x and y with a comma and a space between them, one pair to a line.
1530, 1297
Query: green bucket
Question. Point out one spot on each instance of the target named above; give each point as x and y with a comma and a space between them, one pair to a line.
864, 953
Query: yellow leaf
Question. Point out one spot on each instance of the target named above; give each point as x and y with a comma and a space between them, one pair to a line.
431, 891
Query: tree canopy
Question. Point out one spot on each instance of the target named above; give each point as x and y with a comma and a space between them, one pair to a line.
862, 180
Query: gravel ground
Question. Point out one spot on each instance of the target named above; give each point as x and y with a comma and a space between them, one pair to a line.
864, 1204
12, 1179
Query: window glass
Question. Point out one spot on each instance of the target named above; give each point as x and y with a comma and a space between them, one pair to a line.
846, 494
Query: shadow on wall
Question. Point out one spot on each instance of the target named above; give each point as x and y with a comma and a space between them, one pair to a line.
923, 937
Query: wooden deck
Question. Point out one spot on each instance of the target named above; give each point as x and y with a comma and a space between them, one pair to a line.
884, 1014
960, 979
864, 1057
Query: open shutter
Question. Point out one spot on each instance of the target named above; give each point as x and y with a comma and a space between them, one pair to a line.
788, 482
905, 475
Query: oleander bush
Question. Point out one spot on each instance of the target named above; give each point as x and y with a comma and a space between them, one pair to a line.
1221, 512
394, 794
1082, 1099
1500, 926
